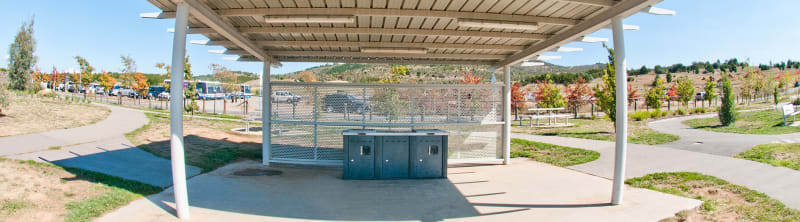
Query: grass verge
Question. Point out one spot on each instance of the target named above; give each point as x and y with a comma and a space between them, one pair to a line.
766, 122
120, 192
51, 192
722, 201
781, 155
209, 144
601, 129
551, 154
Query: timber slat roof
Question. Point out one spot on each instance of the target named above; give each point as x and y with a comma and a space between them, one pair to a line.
429, 25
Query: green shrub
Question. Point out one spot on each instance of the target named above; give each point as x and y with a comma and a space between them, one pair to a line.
699, 110
682, 111
796, 102
727, 112
639, 115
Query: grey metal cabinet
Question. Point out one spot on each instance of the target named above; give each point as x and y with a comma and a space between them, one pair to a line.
393, 161
429, 159
360, 161
371, 154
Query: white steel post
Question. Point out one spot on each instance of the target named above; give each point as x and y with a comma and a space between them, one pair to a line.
507, 115
266, 115
621, 148
176, 112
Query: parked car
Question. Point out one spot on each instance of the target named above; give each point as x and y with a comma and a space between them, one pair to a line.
339, 102
285, 96
163, 95
154, 91
100, 90
128, 92
700, 96
115, 91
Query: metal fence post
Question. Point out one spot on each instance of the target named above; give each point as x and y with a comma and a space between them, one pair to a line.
413, 107
364, 109
316, 114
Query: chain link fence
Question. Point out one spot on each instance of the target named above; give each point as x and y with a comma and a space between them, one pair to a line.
308, 118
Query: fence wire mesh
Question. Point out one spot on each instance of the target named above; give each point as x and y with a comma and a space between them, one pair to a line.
308, 118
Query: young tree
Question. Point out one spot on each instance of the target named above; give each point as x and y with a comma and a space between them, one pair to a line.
191, 89
21, 58
86, 71
4, 98
710, 88
128, 70
578, 94
606, 91
390, 103
727, 113
548, 95
669, 77
655, 96
772, 84
685, 90
228, 78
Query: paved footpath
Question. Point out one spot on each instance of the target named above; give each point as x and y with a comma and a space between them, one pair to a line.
100, 147
778, 182
724, 144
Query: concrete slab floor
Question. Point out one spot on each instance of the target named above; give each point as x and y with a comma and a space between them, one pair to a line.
523, 191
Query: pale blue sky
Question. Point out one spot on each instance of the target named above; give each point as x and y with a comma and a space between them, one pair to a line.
101, 31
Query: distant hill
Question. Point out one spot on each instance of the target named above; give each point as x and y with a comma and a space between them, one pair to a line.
354, 72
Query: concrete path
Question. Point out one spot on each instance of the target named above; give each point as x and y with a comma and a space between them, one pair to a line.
100, 147
724, 144
119, 122
778, 182
524, 191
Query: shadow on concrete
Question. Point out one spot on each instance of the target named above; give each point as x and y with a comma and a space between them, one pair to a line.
320, 193
127, 163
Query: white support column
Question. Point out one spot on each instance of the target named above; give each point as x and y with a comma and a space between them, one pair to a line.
621, 148
507, 115
266, 114
176, 112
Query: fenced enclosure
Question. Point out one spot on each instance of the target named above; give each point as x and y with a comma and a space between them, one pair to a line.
308, 118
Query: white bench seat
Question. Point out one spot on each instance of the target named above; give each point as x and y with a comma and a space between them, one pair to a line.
550, 117
789, 110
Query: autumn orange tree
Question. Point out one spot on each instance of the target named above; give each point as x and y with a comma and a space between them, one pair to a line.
140, 83
517, 96
107, 81
578, 94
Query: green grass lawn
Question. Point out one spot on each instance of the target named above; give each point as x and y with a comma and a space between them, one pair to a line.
766, 122
551, 154
209, 142
600, 129
781, 155
722, 201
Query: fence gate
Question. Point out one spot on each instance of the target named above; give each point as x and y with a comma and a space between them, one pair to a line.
308, 118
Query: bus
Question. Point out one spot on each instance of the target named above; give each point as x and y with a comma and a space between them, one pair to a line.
210, 90
205, 89
242, 92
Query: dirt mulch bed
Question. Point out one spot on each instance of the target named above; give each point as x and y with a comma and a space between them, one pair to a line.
32, 115
38, 192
